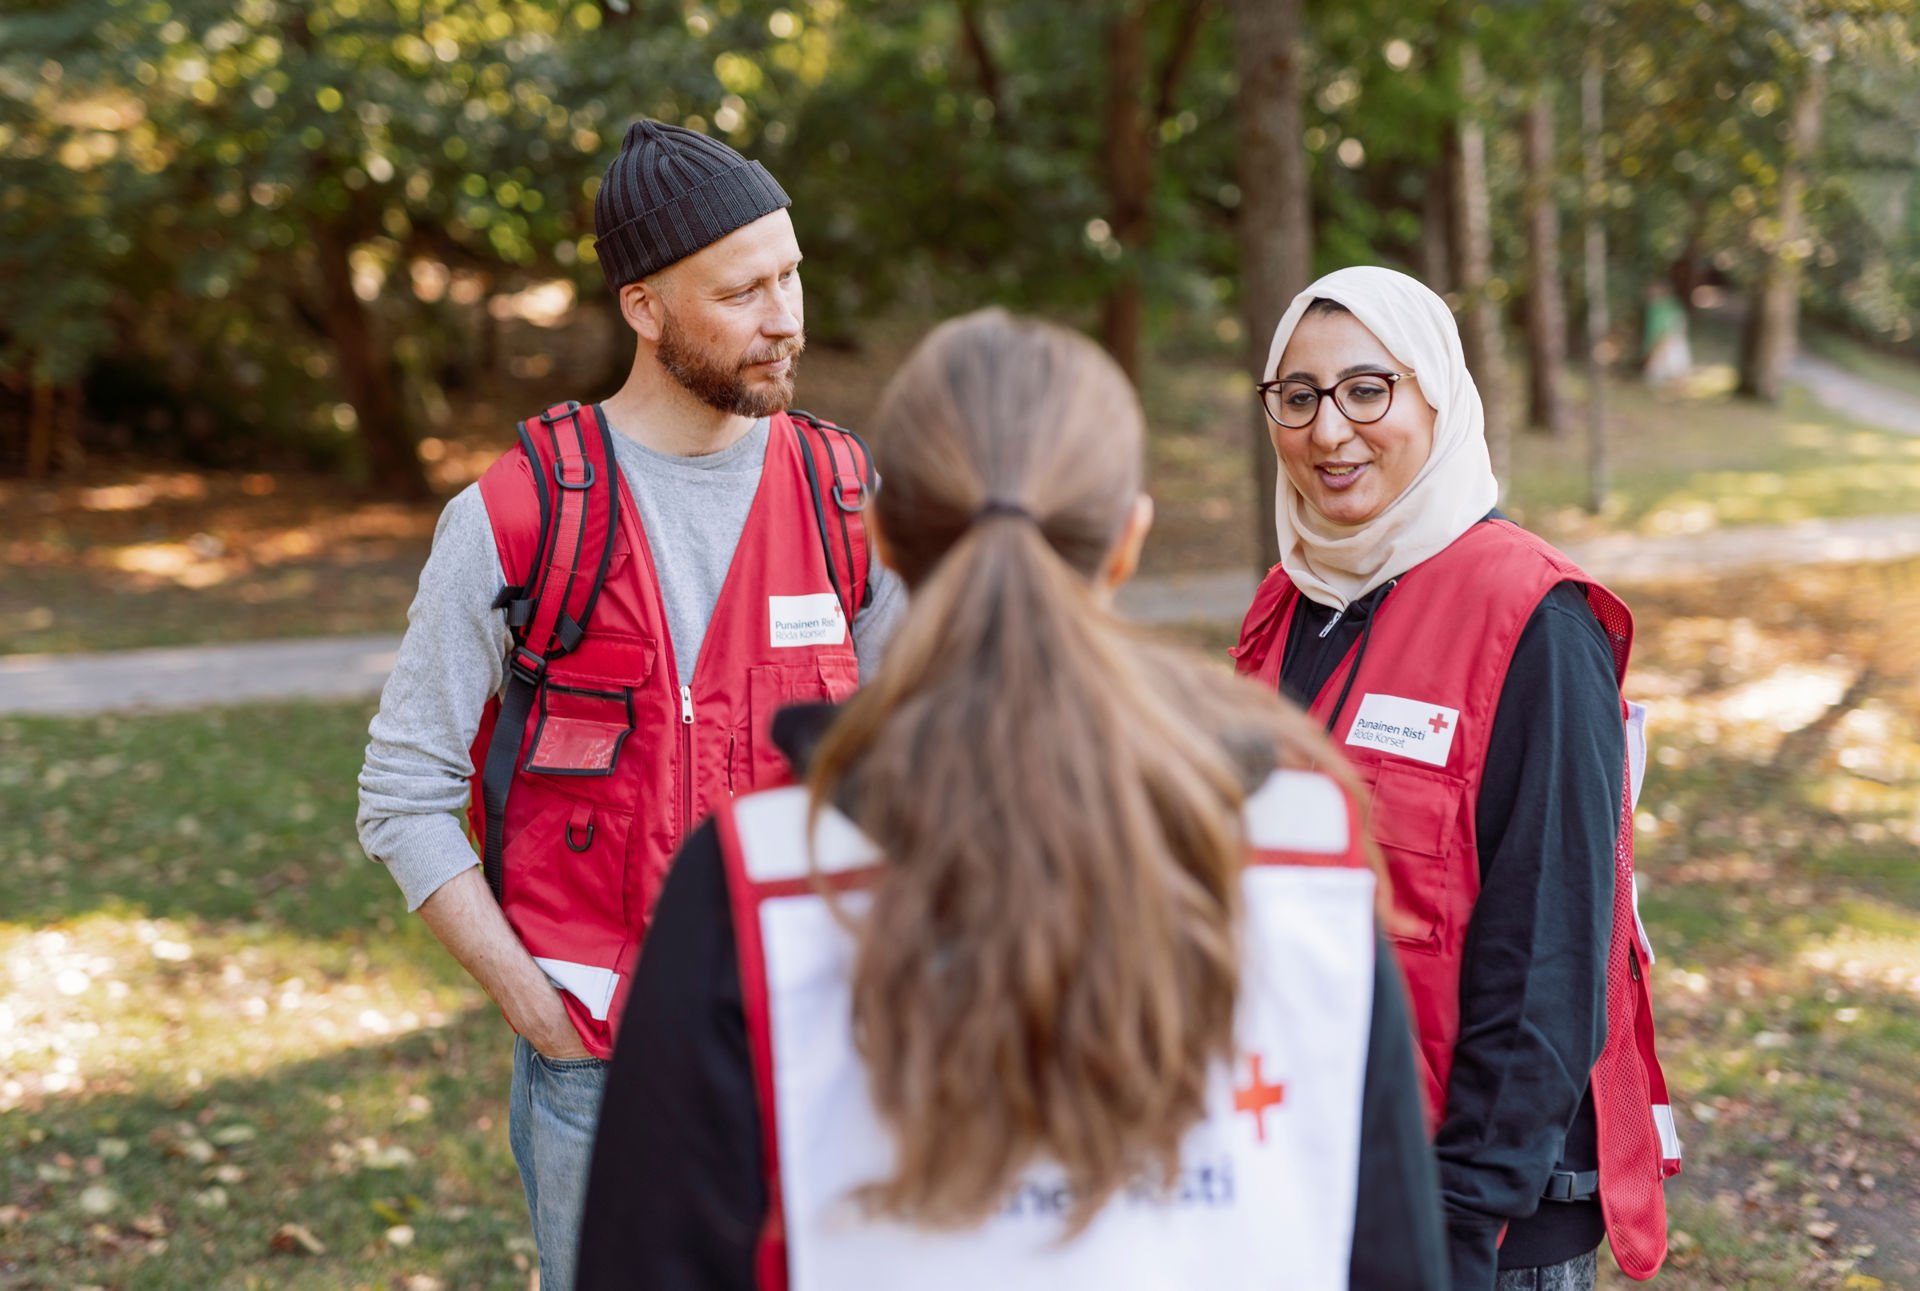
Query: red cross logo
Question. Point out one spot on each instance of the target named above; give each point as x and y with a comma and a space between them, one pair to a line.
1257, 1096
1438, 722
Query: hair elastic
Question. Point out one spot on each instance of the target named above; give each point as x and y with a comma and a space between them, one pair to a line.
1003, 507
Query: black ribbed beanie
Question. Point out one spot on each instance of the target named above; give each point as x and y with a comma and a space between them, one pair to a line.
670, 192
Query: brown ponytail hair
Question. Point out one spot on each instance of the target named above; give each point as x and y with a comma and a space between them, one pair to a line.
1050, 963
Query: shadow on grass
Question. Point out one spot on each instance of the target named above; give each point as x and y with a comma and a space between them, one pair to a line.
393, 1157
1789, 1015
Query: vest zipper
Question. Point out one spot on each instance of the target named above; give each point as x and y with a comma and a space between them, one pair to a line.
686, 758
1359, 652
1333, 622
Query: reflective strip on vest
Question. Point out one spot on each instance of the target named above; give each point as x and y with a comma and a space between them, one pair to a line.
593, 987
1269, 1178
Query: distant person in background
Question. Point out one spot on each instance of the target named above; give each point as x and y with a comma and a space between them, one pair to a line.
1471, 674
1669, 357
703, 539
1062, 970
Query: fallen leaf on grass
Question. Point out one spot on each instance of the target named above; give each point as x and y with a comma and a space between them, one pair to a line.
98, 1199
400, 1235
151, 1224
296, 1239
1822, 1230
423, 1282
214, 1198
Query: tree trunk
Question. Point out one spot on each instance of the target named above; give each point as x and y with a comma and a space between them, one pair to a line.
370, 382
1473, 257
1546, 303
1129, 177
1595, 230
1773, 324
973, 35
1436, 228
1275, 219
40, 424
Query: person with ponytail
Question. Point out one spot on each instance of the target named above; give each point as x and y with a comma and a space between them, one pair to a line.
1472, 675
1060, 967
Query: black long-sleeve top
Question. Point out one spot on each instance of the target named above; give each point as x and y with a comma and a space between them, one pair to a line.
1533, 978
676, 1199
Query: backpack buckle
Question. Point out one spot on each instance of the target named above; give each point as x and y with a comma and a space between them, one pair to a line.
526, 665
861, 494
560, 475
559, 412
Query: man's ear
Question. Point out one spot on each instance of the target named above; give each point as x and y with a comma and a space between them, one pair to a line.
643, 308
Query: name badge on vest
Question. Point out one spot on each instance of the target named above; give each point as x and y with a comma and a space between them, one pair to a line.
806, 620
1408, 727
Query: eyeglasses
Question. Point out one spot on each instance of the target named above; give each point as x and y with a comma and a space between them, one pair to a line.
1362, 398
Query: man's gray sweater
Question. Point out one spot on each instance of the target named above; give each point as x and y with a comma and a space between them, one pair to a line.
452, 659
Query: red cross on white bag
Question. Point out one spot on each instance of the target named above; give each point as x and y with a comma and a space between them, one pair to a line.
1257, 1096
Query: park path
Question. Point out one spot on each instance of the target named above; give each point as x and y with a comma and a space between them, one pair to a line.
356, 667
1860, 398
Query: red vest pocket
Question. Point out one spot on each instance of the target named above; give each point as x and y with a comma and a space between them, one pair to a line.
564, 876
1413, 820
772, 687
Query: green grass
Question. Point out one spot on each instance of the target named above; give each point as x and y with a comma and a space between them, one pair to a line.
1704, 459
216, 1019
1785, 906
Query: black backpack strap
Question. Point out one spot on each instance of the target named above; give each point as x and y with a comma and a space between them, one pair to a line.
570, 453
843, 480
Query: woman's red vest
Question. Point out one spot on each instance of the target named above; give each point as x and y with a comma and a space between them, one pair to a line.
620, 760
1416, 727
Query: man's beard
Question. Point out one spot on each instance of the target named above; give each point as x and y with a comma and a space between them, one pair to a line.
726, 387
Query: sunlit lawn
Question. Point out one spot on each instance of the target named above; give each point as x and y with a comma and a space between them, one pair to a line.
216, 1020
164, 557
1784, 902
1696, 459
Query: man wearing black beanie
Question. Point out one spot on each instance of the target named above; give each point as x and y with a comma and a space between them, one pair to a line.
732, 576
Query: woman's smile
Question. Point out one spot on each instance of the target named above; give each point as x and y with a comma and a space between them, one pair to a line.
1348, 471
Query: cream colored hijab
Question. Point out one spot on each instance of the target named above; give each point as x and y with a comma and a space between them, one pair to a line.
1335, 564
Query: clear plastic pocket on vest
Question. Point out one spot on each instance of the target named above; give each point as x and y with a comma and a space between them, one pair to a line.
581, 730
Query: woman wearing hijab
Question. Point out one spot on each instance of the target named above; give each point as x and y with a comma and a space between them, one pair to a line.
1471, 674
1059, 971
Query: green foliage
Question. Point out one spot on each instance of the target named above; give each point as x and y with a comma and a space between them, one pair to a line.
173, 173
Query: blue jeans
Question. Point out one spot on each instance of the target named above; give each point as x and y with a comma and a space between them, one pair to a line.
1577, 1274
550, 1123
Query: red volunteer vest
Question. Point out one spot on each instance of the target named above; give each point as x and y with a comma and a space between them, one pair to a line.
1422, 707
1309, 823
620, 760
